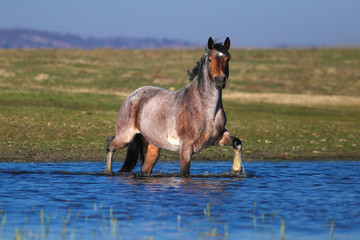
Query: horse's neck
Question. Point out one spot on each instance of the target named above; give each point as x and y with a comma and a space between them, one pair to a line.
210, 97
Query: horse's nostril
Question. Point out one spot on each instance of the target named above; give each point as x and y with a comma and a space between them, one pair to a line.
220, 79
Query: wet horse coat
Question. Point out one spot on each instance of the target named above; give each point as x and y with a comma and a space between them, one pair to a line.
187, 120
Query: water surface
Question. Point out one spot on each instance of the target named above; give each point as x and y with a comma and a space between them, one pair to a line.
278, 200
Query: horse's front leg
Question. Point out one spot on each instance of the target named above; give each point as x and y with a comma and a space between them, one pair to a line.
186, 153
228, 140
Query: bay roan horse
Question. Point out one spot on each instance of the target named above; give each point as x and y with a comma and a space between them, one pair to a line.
187, 120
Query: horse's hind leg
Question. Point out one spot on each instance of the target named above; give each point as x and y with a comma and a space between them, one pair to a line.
113, 143
109, 155
151, 157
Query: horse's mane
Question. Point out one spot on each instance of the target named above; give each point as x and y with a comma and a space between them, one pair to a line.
197, 70
198, 67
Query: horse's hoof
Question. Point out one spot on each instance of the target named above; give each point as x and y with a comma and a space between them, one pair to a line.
237, 143
108, 173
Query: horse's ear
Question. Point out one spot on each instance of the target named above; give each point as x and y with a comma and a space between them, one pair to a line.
210, 43
227, 43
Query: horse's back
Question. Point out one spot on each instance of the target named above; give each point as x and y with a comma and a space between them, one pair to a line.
138, 99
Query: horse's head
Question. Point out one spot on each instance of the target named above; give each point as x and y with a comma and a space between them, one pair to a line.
218, 62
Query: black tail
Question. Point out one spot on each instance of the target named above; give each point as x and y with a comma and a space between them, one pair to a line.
135, 148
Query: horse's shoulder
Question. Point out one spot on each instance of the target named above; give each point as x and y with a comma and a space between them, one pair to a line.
220, 117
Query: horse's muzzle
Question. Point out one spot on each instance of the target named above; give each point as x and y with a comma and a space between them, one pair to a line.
220, 82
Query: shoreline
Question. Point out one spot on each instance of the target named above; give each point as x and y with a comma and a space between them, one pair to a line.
58, 158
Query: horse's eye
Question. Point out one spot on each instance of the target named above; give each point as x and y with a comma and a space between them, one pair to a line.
210, 60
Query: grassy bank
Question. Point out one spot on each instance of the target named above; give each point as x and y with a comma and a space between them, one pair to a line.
284, 104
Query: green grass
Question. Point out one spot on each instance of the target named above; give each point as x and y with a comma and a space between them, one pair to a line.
62, 104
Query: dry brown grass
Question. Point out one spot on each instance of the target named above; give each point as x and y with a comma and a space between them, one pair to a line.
294, 99
62, 104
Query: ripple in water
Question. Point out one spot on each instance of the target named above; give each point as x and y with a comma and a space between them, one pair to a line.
277, 200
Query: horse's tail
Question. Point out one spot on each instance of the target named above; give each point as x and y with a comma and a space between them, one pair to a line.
136, 148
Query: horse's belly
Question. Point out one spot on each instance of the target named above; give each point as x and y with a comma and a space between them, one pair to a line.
170, 143
162, 133
173, 143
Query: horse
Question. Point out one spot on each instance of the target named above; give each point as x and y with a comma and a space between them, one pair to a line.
187, 120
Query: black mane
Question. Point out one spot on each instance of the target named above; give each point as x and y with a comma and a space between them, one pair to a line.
197, 70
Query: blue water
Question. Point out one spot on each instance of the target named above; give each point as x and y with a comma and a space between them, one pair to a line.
279, 200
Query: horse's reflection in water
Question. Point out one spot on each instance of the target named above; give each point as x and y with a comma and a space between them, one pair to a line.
193, 185
187, 120
171, 186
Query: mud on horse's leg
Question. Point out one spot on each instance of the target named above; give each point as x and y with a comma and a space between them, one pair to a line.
237, 164
109, 157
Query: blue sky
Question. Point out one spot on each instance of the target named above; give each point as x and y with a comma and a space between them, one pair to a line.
252, 23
